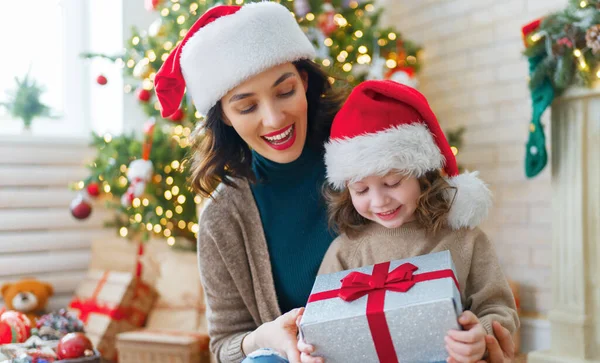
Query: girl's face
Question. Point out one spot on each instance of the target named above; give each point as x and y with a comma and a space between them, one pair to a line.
390, 200
269, 112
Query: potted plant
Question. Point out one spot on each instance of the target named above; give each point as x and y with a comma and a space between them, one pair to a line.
24, 101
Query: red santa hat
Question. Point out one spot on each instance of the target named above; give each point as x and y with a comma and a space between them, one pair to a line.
385, 126
225, 47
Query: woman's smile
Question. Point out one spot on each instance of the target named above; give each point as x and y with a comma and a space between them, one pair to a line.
281, 139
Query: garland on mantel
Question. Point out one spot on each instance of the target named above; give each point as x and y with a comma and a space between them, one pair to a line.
563, 50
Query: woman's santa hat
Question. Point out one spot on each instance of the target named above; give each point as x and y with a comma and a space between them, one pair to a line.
225, 47
385, 126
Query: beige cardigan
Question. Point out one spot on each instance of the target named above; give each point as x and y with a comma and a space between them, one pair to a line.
235, 270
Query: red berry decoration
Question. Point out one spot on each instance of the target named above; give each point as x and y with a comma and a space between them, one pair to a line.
177, 116
93, 189
80, 207
74, 345
143, 95
101, 80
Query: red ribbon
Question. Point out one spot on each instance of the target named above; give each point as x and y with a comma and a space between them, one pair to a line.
358, 284
92, 305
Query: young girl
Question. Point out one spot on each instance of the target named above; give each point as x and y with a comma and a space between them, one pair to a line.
390, 199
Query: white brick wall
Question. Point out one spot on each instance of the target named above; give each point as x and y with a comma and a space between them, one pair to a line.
474, 75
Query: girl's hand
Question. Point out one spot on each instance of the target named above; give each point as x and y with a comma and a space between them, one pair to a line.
466, 346
306, 349
501, 348
279, 334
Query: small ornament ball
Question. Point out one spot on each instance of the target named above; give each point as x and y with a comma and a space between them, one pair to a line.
101, 80
143, 95
74, 345
93, 189
80, 207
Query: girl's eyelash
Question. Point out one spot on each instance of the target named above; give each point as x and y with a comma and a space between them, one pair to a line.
361, 191
395, 184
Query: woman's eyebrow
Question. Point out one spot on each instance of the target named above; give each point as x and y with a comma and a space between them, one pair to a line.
239, 96
282, 78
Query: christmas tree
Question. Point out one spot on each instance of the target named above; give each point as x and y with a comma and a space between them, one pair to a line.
144, 181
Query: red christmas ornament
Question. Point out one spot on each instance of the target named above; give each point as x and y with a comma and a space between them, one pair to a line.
101, 80
143, 95
177, 116
74, 345
151, 5
7, 333
93, 189
80, 207
19, 324
326, 20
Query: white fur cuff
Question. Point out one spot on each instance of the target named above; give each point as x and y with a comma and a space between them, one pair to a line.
236, 47
409, 148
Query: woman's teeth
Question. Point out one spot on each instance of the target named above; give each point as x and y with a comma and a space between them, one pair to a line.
284, 135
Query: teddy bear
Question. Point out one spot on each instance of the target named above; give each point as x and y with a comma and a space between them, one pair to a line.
28, 296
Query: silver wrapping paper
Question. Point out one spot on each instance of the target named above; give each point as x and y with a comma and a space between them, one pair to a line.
418, 319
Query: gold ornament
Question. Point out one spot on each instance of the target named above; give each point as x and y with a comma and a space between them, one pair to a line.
157, 28
143, 69
592, 38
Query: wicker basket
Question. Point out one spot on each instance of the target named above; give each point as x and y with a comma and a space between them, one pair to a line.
162, 346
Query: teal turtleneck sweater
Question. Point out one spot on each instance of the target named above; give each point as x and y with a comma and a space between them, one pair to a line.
294, 220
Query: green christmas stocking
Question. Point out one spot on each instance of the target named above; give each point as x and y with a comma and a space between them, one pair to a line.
542, 96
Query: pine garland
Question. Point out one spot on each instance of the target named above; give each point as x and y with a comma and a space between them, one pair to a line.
566, 42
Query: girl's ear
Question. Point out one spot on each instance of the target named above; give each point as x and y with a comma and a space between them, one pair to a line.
304, 77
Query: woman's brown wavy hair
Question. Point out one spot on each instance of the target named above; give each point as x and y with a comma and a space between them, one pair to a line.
431, 213
219, 153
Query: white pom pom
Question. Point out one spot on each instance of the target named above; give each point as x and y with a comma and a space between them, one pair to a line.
471, 202
404, 78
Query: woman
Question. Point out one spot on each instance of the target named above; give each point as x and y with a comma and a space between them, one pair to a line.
268, 113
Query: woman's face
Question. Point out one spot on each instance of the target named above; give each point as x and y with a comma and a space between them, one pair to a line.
269, 112
390, 200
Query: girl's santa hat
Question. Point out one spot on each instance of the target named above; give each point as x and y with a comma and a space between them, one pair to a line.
385, 126
226, 46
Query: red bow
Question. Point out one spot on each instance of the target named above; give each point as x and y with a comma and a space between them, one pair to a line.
358, 284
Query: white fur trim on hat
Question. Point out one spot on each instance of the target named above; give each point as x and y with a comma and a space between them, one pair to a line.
471, 201
409, 148
233, 48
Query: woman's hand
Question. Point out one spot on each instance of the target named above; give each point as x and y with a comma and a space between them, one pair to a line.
466, 346
501, 348
279, 334
306, 349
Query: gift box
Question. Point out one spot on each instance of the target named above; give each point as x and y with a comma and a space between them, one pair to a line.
122, 255
149, 345
109, 303
179, 306
391, 312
